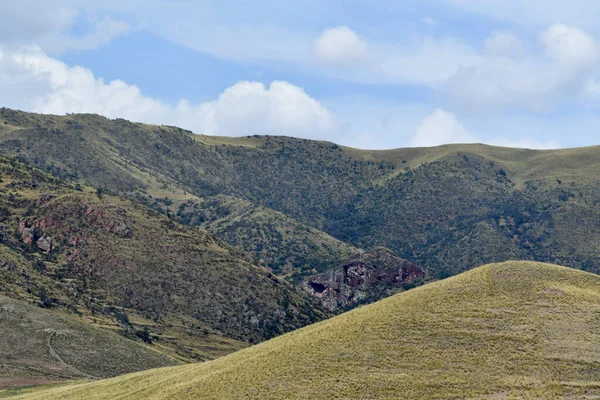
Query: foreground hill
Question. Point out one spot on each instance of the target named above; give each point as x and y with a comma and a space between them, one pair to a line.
447, 209
39, 346
511, 330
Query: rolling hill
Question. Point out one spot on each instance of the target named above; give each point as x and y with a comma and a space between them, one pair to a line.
510, 330
448, 209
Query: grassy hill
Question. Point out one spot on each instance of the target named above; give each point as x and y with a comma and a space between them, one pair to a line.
41, 346
448, 208
511, 330
110, 260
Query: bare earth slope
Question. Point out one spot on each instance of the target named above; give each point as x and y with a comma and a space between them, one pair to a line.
511, 330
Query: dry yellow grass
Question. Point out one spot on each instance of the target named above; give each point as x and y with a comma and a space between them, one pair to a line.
570, 165
511, 330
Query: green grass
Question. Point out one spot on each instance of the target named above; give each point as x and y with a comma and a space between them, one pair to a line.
503, 331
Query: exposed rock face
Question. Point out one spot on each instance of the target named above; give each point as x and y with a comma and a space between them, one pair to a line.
45, 244
364, 278
37, 231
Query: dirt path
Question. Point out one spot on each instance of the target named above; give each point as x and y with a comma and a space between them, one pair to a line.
57, 356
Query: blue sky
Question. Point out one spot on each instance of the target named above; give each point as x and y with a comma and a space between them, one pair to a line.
392, 74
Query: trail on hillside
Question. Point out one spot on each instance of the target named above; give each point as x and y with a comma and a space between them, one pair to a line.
57, 356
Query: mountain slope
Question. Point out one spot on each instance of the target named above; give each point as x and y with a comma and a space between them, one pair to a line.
511, 330
173, 172
70, 247
38, 345
269, 238
447, 209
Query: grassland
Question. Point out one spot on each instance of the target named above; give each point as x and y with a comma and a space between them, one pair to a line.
39, 345
514, 330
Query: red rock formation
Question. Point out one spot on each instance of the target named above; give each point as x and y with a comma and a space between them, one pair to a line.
365, 277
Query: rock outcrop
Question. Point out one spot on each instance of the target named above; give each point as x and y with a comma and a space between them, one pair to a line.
364, 278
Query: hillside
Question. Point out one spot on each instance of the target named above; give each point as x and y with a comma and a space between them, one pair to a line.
40, 346
179, 289
269, 238
447, 209
511, 330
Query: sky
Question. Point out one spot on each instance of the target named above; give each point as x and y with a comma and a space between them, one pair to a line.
372, 75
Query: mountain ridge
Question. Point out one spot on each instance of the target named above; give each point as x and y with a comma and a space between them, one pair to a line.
498, 200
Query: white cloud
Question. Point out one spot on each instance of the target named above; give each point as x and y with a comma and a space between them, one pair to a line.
340, 45
441, 127
31, 80
533, 12
569, 45
502, 74
26, 20
529, 81
281, 109
504, 44
48, 24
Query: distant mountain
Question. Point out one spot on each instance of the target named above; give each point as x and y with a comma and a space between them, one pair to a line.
511, 330
446, 209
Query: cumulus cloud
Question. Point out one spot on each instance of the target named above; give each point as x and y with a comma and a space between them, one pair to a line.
569, 45
31, 80
281, 109
528, 81
425, 61
441, 127
505, 74
340, 45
